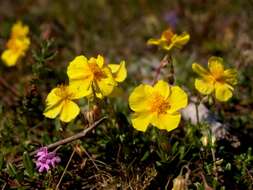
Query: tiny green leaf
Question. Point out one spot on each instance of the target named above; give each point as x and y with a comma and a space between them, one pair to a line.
11, 170
28, 164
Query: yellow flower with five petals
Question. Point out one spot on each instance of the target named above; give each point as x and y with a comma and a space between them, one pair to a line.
17, 45
169, 39
93, 76
158, 105
217, 79
60, 102
16, 49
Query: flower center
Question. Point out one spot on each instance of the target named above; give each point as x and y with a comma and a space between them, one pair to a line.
63, 92
168, 34
14, 45
97, 72
158, 104
218, 77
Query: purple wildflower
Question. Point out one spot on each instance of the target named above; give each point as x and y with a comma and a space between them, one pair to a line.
46, 159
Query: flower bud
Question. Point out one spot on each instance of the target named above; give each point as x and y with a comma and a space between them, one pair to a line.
92, 114
208, 140
179, 183
204, 140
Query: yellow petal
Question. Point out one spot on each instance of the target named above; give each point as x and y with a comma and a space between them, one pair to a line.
69, 111
119, 71
78, 69
223, 92
215, 65
167, 47
77, 92
141, 120
138, 99
153, 41
53, 104
104, 87
79, 75
25, 44
178, 99
203, 86
10, 57
19, 30
100, 61
180, 40
163, 88
166, 121
52, 112
83, 88
18, 45
201, 71
52, 97
230, 76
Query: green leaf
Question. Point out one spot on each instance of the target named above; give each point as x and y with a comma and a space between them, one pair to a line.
11, 169
28, 164
181, 152
175, 148
145, 156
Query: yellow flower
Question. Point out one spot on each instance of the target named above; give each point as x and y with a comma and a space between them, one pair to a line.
158, 105
168, 40
59, 102
16, 49
216, 79
19, 30
93, 76
17, 45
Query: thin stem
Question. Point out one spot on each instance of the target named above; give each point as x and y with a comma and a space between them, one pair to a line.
65, 170
197, 112
5, 184
171, 78
163, 63
91, 159
68, 139
214, 162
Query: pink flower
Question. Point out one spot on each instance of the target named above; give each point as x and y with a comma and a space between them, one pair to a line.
46, 159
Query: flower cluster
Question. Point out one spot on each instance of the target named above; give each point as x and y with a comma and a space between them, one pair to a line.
87, 77
169, 39
17, 45
216, 79
160, 104
45, 159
